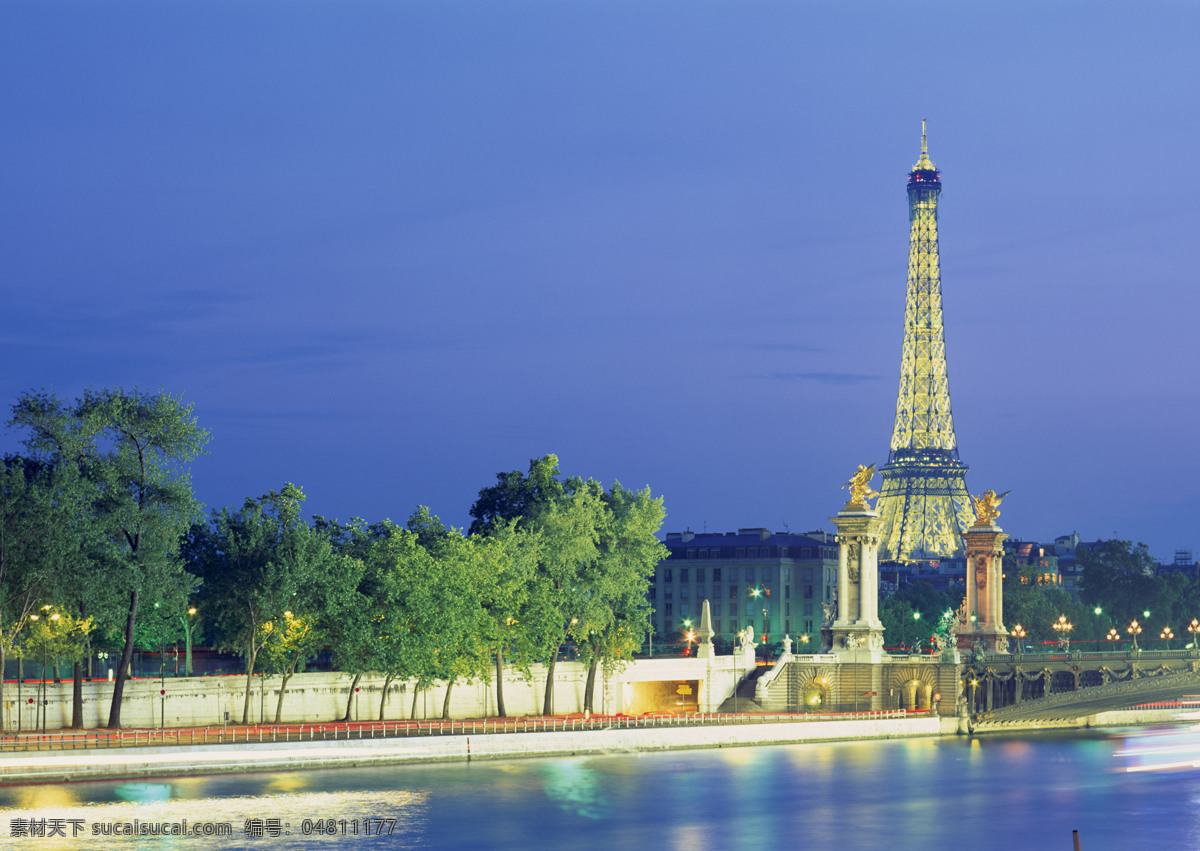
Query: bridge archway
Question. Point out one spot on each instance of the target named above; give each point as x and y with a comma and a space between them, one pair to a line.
913, 688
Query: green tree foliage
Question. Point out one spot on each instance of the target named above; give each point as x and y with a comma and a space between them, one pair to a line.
896, 614
133, 449
595, 553
38, 526
1119, 576
286, 645
263, 561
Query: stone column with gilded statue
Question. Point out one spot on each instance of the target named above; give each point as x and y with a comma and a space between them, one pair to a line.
983, 615
856, 627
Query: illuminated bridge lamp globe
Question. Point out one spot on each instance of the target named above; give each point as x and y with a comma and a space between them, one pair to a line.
1166, 635
1193, 628
1018, 632
1135, 630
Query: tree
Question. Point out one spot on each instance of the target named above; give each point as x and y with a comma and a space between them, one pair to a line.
1119, 577
260, 563
594, 554
36, 539
286, 644
133, 448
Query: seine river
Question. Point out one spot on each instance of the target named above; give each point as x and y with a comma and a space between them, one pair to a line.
990, 793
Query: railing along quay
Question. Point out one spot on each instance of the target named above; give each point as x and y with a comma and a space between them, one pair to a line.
187, 736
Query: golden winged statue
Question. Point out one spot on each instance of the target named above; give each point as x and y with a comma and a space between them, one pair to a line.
987, 507
860, 487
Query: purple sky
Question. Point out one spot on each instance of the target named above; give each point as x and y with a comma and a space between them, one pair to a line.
388, 249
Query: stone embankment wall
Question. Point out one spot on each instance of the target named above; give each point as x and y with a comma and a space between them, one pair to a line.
218, 759
208, 701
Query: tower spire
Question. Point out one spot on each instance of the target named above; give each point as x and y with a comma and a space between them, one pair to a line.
924, 163
924, 502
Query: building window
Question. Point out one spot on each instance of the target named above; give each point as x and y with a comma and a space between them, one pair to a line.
741, 552
808, 608
752, 552
683, 574
716, 609
717, 626
787, 571
733, 574
787, 592
653, 593
787, 626
808, 592
667, 575
732, 592
691, 553
700, 574
667, 610
716, 574
787, 608
749, 574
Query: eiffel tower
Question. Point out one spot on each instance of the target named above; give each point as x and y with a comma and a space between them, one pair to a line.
924, 502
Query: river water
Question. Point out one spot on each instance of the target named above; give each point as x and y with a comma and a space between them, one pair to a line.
994, 792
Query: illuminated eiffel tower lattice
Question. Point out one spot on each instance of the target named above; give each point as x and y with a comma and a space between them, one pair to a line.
924, 502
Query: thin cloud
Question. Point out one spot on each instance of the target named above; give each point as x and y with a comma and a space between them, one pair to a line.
835, 378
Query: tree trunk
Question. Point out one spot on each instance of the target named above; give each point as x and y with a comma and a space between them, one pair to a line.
416, 694
350, 697
3, 728
250, 657
446, 701
114, 710
77, 698
500, 683
282, 691
548, 701
589, 705
387, 681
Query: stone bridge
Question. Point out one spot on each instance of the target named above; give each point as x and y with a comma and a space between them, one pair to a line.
1003, 689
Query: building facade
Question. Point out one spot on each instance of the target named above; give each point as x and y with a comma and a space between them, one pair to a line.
775, 582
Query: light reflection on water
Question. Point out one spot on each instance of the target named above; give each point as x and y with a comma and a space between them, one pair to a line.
990, 793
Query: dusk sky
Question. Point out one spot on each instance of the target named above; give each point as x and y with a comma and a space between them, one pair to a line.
389, 249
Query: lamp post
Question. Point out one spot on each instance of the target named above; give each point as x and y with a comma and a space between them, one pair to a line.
917, 629
1018, 632
1167, 635
1113, 635
162, 663
761, 590
1135, 630
42, 684
1063, 627
1193, 628
1097, 612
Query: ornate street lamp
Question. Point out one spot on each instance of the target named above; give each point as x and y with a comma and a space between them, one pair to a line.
1135, 630
1063, 627
1167, 635
1193, 628
1018, 632
1113, 635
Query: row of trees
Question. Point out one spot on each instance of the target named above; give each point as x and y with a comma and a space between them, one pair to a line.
98, 525
1118, 585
